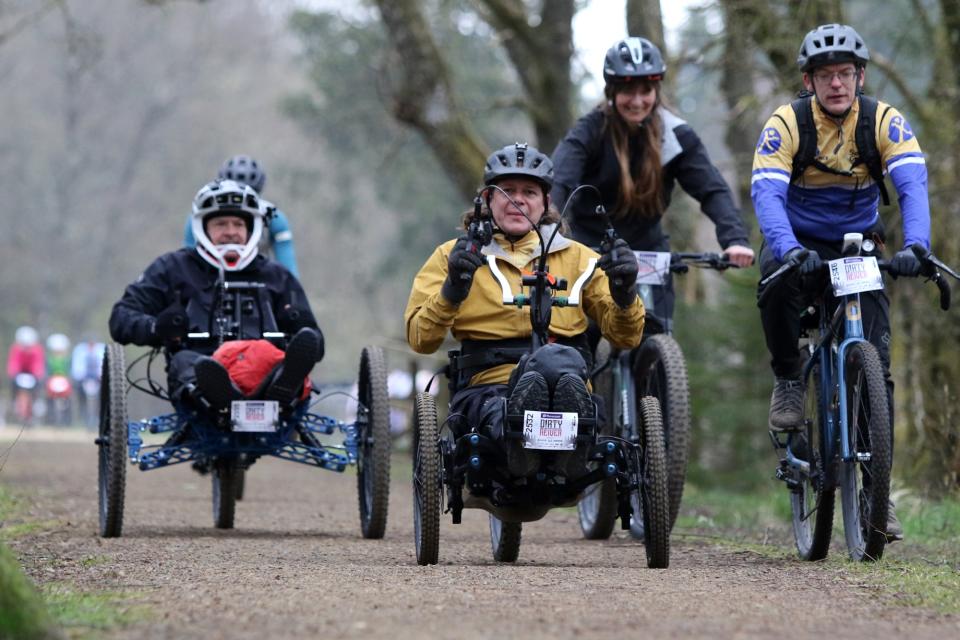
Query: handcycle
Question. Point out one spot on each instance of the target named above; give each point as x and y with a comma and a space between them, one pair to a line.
845, 440
226, 444
656, 368
453, 471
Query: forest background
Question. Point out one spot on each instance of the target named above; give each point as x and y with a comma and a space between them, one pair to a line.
373, 120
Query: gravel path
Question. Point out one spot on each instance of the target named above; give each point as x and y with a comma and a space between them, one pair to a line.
297, 567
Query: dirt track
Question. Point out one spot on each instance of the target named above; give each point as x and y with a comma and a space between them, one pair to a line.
296, 567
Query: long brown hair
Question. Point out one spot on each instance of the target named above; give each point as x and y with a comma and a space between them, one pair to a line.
641, 187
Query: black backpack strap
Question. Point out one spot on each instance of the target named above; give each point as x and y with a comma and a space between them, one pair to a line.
866, 139
807, 141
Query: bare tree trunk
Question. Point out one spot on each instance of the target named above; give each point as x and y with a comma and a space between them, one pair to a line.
423, 96
541, 57
644, 19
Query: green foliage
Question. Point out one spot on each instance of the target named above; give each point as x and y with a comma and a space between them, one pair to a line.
729, 377
22, 613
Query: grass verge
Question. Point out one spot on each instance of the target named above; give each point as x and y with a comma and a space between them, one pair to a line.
28, 613
922, 571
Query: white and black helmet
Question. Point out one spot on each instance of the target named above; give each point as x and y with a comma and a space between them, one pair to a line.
519, 159
245, 170
227, 198
832, 44
633, 59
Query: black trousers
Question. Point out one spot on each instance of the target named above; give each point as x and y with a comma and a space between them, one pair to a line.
781, 315
181, 373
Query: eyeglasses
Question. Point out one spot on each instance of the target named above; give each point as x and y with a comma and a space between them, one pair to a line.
827, 78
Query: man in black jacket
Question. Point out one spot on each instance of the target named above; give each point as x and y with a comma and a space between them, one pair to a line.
187, 291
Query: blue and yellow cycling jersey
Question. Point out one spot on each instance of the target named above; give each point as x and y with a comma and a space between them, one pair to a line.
824, 205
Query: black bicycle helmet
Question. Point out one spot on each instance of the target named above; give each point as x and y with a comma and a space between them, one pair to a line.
632, 59
245, 170
832, 44
519, 159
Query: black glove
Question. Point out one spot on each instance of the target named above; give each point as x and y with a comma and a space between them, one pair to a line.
905, 263
811, 265
290, 319
620, 264
460, 267
170, 325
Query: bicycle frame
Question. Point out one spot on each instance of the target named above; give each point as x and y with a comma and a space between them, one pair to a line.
831, 357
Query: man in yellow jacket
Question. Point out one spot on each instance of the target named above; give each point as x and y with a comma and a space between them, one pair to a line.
454, 292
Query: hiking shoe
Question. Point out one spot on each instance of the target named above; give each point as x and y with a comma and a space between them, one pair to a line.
529, 394
786, 405
571, 396
215, 384
297, 362
894, 528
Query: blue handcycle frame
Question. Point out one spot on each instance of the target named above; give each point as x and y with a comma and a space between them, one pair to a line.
210, 440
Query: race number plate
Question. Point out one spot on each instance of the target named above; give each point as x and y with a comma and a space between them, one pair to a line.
550, 430
654, 267
254, 415
855, 275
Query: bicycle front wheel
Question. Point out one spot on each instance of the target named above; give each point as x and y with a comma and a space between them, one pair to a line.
661, 371
865, 478
811, 502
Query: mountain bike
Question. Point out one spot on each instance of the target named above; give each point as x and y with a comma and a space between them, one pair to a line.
845, 441
656, 368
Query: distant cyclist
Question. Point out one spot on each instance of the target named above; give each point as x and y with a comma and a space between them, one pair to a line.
246, 170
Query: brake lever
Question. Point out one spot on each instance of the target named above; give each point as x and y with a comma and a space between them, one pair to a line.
479, 233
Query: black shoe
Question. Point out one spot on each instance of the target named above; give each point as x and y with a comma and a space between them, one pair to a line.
299, 359
529, 394
786, 405
571, 396
215, 384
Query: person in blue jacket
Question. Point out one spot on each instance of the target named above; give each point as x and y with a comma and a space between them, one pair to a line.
812, 206
279, 237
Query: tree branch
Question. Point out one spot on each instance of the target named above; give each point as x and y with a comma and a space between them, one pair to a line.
915, 102
423, 97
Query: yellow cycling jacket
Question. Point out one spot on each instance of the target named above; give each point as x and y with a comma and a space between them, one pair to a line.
483, 316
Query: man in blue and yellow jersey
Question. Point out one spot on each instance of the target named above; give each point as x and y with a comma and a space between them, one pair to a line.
818, 173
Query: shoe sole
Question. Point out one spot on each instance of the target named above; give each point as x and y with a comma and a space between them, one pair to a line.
215, 384
298, 361
530, 394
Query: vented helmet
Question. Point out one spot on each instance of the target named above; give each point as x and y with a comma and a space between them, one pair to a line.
832, 44
633, 59
227, 198
519, 159
245, 170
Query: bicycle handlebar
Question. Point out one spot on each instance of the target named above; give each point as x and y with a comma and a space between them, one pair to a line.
680, 262
931, 268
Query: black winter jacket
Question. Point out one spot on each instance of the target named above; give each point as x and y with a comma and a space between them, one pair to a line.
184, 276
586, 156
